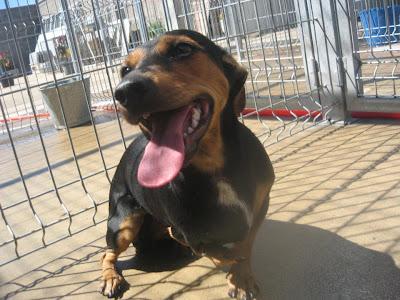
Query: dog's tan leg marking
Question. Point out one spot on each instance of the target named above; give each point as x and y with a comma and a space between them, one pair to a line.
241, 282
128, 231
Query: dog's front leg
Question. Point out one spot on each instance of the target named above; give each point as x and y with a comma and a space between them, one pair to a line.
241, 282
237, 256
120, 234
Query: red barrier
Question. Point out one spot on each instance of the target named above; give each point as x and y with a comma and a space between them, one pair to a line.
375, 115
25, 117
282, 113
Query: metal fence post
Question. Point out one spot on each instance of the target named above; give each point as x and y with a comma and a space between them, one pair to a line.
140, 17
70, 39
171, 16
347, 34
233, 20
104, 35
323, 56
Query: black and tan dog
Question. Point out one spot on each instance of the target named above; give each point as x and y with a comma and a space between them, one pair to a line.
196, 174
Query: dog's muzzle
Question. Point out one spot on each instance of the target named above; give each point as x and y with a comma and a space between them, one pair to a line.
134, 91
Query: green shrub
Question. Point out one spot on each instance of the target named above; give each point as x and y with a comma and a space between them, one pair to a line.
155, 28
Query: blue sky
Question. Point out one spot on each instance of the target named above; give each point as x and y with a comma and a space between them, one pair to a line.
15, 3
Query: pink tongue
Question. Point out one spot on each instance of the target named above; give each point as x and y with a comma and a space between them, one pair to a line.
164, 155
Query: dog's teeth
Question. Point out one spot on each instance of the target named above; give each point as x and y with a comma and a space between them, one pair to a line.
199, 109
145, 116
196, 113
196, 118
190, 130
195, 122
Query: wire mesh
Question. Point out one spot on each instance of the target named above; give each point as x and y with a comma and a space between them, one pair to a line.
55, 182
377, 47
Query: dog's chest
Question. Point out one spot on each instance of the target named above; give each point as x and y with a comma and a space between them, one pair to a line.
216, 215
227, 197
201, 208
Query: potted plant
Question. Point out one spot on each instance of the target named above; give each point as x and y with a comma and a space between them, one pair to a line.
6, 65
74, 98
155, 28
64, 55
67, 100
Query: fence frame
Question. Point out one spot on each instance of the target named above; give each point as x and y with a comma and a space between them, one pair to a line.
355, 102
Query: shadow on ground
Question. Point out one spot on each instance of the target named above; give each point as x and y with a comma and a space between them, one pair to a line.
291, 261
166, 255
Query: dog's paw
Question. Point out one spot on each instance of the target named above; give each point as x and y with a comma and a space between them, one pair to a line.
112, 284
242, 285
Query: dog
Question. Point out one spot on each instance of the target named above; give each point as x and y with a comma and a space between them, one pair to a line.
196, 174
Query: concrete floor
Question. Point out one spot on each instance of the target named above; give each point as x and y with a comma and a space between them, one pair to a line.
332, 231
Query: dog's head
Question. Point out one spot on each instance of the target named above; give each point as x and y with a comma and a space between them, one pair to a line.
178, 88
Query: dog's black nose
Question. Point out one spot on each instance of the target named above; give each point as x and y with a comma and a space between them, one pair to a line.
132, 88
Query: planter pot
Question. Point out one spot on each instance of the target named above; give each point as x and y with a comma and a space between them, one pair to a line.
72, 94
68, 68
7, 82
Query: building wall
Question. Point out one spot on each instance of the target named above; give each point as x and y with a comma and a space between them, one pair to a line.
271, 14
25, 20
49, 7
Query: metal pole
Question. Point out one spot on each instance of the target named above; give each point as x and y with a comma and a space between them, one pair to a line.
101, 28
170, 10
233, 21
74, 52
139, 16
322, 54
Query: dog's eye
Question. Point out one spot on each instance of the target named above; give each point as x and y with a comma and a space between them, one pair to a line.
125, 70
181, 50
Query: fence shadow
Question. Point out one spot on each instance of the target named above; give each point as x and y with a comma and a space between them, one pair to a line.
291, 261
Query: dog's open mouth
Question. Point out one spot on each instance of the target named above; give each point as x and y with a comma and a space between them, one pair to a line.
174, 136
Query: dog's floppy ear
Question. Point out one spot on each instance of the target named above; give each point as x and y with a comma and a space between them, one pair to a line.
236, 75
